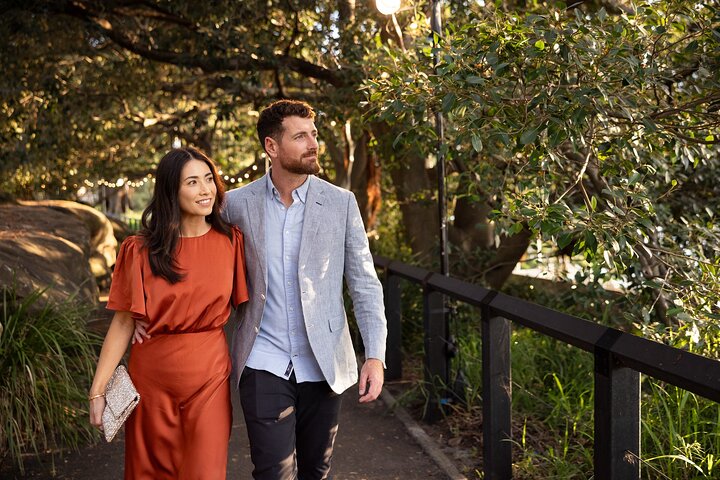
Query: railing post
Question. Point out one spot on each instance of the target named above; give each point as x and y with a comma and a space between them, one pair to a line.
436, 360
497, 396
393, 313
617, 415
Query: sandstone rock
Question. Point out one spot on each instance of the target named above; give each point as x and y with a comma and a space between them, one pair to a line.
103, 245
41, 247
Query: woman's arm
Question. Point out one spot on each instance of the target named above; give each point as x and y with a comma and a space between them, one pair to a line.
113, 349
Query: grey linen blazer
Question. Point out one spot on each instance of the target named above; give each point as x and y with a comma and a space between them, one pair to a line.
333, 244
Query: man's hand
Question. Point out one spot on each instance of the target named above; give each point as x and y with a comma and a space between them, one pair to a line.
140, 334
372, 376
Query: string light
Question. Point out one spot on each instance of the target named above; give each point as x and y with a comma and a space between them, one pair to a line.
124, 181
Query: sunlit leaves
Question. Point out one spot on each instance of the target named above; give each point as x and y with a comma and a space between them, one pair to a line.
592, 129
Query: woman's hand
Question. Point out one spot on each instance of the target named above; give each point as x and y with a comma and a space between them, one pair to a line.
116, 342
97, 405
140, 334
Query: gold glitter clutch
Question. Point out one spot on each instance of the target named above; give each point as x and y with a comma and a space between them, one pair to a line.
121, 398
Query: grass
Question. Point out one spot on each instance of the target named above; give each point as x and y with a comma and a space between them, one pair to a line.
46, 359
680, 433
552, 408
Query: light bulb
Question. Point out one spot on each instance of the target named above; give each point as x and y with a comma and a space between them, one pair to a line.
387, 7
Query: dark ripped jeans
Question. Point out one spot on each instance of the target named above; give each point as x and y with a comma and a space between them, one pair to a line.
291, 426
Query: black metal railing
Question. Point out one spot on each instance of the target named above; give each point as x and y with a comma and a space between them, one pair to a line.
619, 359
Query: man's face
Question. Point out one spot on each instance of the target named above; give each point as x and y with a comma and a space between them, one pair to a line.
297, 150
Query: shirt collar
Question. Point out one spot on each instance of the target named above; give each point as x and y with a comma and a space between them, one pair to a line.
299, 193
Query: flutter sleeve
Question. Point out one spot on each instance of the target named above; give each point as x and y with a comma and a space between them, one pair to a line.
240, 291
127, 291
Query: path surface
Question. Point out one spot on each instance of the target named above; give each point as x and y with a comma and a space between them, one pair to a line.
372, 444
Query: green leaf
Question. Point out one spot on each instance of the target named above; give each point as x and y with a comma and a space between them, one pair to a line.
564, 240
634, 178
608, 259
448, 102
474, 80
590, 241
499, 67
476, 143
528, 136
540, 45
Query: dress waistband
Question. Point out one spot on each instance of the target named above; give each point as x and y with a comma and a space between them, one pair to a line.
186, 332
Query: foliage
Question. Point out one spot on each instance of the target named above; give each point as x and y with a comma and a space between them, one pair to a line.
553, 401
681, 433
46, 358
597, 133
102, 89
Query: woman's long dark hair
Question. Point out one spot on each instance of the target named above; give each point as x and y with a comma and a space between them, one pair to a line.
161, 219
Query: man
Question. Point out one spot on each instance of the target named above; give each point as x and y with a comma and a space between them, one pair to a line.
292, 352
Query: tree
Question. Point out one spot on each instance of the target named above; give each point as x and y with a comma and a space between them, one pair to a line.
564, 125
587, 130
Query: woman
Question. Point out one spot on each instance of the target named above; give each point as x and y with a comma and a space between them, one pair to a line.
181, 275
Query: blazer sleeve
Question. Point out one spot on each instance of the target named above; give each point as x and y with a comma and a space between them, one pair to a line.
363, 285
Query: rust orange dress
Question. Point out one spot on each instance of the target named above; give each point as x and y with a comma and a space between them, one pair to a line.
181, 427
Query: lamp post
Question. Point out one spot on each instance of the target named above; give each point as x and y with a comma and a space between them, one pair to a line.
390, 7
438, 344
436, 27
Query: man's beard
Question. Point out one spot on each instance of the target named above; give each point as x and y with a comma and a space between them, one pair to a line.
300, 168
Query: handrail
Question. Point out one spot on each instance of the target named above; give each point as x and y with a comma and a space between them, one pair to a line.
620, 357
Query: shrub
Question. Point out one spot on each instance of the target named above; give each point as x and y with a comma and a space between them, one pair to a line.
47, 357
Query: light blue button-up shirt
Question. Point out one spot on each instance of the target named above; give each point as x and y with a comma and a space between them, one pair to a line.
282, 343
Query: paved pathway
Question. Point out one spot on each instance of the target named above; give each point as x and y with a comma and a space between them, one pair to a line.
372, 444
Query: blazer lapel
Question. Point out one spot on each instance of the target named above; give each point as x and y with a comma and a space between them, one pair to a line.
313, 215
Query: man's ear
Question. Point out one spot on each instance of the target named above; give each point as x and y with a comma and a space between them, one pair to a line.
271, 147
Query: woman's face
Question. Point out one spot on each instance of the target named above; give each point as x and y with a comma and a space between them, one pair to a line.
197, 190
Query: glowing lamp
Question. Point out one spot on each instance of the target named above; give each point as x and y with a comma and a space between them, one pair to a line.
387, 7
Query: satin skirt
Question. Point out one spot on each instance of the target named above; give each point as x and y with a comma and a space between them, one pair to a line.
181, 427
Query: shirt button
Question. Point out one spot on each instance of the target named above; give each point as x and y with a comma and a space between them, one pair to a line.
262, 296
291, 309
257, 329
289, 283
287, 232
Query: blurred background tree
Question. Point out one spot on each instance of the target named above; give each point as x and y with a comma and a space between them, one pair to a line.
587, 129
577, 131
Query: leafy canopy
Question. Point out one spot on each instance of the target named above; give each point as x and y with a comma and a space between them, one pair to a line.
599, 133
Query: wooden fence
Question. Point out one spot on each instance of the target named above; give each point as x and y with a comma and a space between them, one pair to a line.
620, 358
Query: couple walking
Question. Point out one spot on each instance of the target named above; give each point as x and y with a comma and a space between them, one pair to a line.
277, 250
